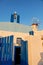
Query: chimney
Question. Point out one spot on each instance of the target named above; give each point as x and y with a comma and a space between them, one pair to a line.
35, 26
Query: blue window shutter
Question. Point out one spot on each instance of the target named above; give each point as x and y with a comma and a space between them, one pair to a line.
11, 39
8, 41
9, 47
31, 33
0, 48
0, 42
24, 56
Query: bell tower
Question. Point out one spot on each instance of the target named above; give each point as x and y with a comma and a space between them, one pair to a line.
15, 17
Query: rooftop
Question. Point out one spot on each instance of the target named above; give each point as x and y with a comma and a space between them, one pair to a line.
14, 27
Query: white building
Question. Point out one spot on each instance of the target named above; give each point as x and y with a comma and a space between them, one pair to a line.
27, 42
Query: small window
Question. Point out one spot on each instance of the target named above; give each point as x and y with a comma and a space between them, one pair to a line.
18, 41
31, 33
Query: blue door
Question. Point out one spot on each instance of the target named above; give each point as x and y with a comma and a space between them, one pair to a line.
6, 50
21, 53
24, 53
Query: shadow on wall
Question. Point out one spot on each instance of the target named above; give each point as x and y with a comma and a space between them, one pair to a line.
41, 60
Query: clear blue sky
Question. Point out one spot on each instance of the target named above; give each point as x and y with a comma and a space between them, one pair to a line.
27, 9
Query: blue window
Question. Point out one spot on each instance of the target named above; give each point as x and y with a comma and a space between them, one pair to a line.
31, 33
